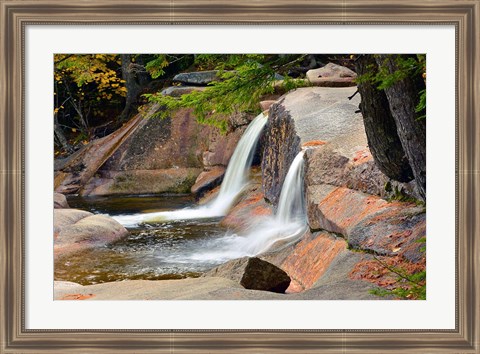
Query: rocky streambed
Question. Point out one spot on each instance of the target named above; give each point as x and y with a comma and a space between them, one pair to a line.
357, 226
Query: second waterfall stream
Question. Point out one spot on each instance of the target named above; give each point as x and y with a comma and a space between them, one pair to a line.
287, 225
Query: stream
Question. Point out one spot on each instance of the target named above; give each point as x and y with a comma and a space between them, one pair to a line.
172, 238
156, 251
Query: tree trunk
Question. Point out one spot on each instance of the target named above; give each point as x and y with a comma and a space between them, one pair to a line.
133, 88
380, 127
60, 136
403, 97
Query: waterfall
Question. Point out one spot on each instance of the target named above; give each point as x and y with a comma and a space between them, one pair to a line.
236, 175
236, 178
291, 205
287, 225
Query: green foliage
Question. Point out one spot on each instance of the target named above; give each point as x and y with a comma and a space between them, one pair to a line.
411, 286
243, 80
400, 196
408, 66
85, 69
86, 86
422, 105
156, 66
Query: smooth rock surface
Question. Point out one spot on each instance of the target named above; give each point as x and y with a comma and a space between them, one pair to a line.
161, 156
264, 105
60, 201
221, 147
168, 180
312, 256
207, 288
76, 230
66, 217
332, 75
196, 77
306, 114
368, 222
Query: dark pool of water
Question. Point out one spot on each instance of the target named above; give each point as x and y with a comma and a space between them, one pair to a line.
151, 252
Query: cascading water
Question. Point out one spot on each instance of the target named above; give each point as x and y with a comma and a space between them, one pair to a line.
287, 225
237, 171
291, 205
234, 181
169, 250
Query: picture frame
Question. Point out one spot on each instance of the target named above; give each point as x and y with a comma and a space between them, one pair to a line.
17, 14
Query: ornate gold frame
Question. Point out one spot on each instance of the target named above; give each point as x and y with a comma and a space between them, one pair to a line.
16, 14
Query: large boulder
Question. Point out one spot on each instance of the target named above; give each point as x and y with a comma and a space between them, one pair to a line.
177, 91
253, 273
65, 217
60, 201
368, 222
200, 78
77, 230
350, 164
332, 75
306, 114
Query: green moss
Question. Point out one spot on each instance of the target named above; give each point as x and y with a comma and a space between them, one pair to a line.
399, 195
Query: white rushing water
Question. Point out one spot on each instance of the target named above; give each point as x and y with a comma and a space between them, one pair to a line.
236, 178
287, 225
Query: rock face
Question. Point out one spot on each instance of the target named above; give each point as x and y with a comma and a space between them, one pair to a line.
368, 222
60, 201
253, 273
324, 121
152, 156
306, 114
221, 147
312, 256
332, 75
201, 78
162, 155
77, 230
337, 165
